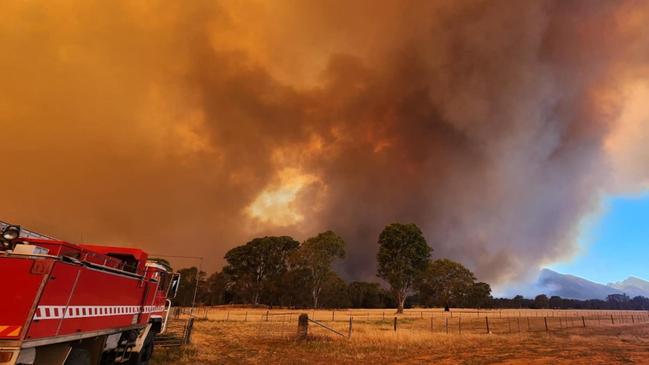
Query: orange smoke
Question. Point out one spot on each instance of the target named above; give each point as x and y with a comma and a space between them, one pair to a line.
190, 128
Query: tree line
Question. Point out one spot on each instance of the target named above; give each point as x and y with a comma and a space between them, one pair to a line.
542, 301
280, 271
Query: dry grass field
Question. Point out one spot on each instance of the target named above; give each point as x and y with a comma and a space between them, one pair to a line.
255, 336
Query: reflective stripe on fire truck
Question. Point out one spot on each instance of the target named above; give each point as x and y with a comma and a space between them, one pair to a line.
10, 331
84, 311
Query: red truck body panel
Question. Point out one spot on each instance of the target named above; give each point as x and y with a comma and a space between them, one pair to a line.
137, 254
76, 289
19, 287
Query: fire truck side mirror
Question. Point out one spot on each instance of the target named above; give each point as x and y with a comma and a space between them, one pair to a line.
175, 283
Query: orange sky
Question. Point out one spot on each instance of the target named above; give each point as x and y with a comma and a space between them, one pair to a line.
191, 128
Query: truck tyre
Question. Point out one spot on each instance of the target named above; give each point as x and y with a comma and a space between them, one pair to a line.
145, 354
78, 357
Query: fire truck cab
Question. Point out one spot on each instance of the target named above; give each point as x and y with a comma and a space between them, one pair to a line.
67, 304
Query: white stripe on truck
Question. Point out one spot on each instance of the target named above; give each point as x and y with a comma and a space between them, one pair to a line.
85, 311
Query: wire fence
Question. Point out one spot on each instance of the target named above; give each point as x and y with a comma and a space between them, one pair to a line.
284, 323
178, 332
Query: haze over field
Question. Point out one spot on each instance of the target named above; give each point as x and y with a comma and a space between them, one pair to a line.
496, 126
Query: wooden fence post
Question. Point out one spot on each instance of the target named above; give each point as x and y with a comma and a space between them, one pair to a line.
188, 331
227, 316
546, 324
267, 316
431, 324
395, 324
333, 316
246, 318
459, 325
612, 321
350, 327
446, 324
303, 326
486, 318
583, 321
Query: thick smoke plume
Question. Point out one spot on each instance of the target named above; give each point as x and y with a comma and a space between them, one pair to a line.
190, 128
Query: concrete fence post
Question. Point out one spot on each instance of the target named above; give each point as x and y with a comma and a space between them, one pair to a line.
303, 326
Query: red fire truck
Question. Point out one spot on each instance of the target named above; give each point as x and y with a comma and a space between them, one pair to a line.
67, 304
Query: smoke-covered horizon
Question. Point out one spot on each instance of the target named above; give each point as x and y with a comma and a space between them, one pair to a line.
188, 129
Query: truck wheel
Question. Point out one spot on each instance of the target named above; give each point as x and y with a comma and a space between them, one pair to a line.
145, 354
78, 357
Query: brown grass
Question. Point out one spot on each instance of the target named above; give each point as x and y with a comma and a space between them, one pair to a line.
257, 341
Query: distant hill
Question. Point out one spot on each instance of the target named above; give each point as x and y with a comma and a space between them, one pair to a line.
566, 286
572, 287
632, 287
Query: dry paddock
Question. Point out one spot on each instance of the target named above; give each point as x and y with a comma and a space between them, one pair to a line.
255, 336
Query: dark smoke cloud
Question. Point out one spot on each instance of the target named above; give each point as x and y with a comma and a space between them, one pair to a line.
494, 125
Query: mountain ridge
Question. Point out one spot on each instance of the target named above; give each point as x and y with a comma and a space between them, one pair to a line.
569, 286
